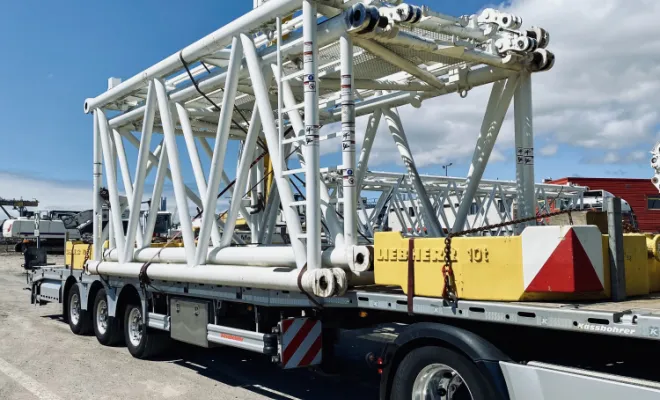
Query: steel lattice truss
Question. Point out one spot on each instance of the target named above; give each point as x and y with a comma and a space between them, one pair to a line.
269, 80
493, 202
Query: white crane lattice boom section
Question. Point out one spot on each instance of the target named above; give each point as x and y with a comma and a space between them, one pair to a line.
268, 81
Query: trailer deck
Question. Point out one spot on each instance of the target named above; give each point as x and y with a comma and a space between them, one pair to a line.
635, 318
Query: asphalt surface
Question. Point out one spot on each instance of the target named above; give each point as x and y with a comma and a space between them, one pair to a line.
41, 359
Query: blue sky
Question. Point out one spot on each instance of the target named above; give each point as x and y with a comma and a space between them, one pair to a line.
60, 52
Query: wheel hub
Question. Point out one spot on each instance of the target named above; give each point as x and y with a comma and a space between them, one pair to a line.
102, 317
135, 326
440, 382
74, 309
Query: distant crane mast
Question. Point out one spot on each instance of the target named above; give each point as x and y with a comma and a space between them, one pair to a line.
17, 204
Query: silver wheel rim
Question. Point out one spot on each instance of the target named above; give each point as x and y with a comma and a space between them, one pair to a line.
74, 309
135, 326
440, 381
102, 317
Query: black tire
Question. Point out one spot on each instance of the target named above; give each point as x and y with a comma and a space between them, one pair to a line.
82, 324
112, 333
415, 361
151, 342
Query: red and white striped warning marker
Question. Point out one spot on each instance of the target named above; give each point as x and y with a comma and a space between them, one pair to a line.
563, 259
301, 343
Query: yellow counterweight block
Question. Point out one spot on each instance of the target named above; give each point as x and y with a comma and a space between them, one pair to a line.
543, 263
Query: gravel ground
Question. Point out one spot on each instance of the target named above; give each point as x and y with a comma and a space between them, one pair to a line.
41, 359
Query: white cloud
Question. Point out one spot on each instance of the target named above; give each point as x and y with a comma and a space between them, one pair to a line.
602, 93
52, 194
549, 150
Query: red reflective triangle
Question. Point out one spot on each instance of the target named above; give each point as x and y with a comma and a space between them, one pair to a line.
567, 270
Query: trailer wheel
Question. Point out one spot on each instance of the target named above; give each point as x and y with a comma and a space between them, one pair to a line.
80, 321
141, 341
437, 373
106, 328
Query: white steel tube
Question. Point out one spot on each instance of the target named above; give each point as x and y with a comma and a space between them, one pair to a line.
311, 147
252, 255
399, 136
203, 47
329, 32
268, 121
525, 137
275, 278
115, 207
209, 152
154, 159
498, 104
280, 97
270, 215
365, 151
399, 62
142, 167
175, 165
161, 172
97, 171
219, 151
126, 179
328, 210
348, 140
241, 176
123, 166
200, 179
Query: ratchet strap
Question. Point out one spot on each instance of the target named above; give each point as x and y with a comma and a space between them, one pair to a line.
410, 292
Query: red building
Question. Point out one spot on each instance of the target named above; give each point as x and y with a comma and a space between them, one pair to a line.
642, 196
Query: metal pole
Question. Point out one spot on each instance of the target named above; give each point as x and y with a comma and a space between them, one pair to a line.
525, 146
311, 147
367, 144
203, 47
268, 121
498, 104
115, 208
177, 178
280, 97
617, 261
142, 166
161, 172
97, 173
348, 140
399, 136
200, 179
209, 152
249, 146
328, 210
220, 149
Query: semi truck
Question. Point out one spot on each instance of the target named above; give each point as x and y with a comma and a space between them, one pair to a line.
540, 312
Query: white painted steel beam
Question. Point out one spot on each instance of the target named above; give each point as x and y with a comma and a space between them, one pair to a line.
270, 131
496, 110
97, 176
141, 169
200, 178
524, 139
219, 151
348, 141
399, 136
203, 47
177, 178
111, 180
246, 160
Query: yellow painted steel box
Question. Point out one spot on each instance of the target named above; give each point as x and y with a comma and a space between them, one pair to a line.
76, 252
493, 268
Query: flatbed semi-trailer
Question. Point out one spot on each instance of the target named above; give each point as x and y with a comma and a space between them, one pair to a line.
534, 350
265, 83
